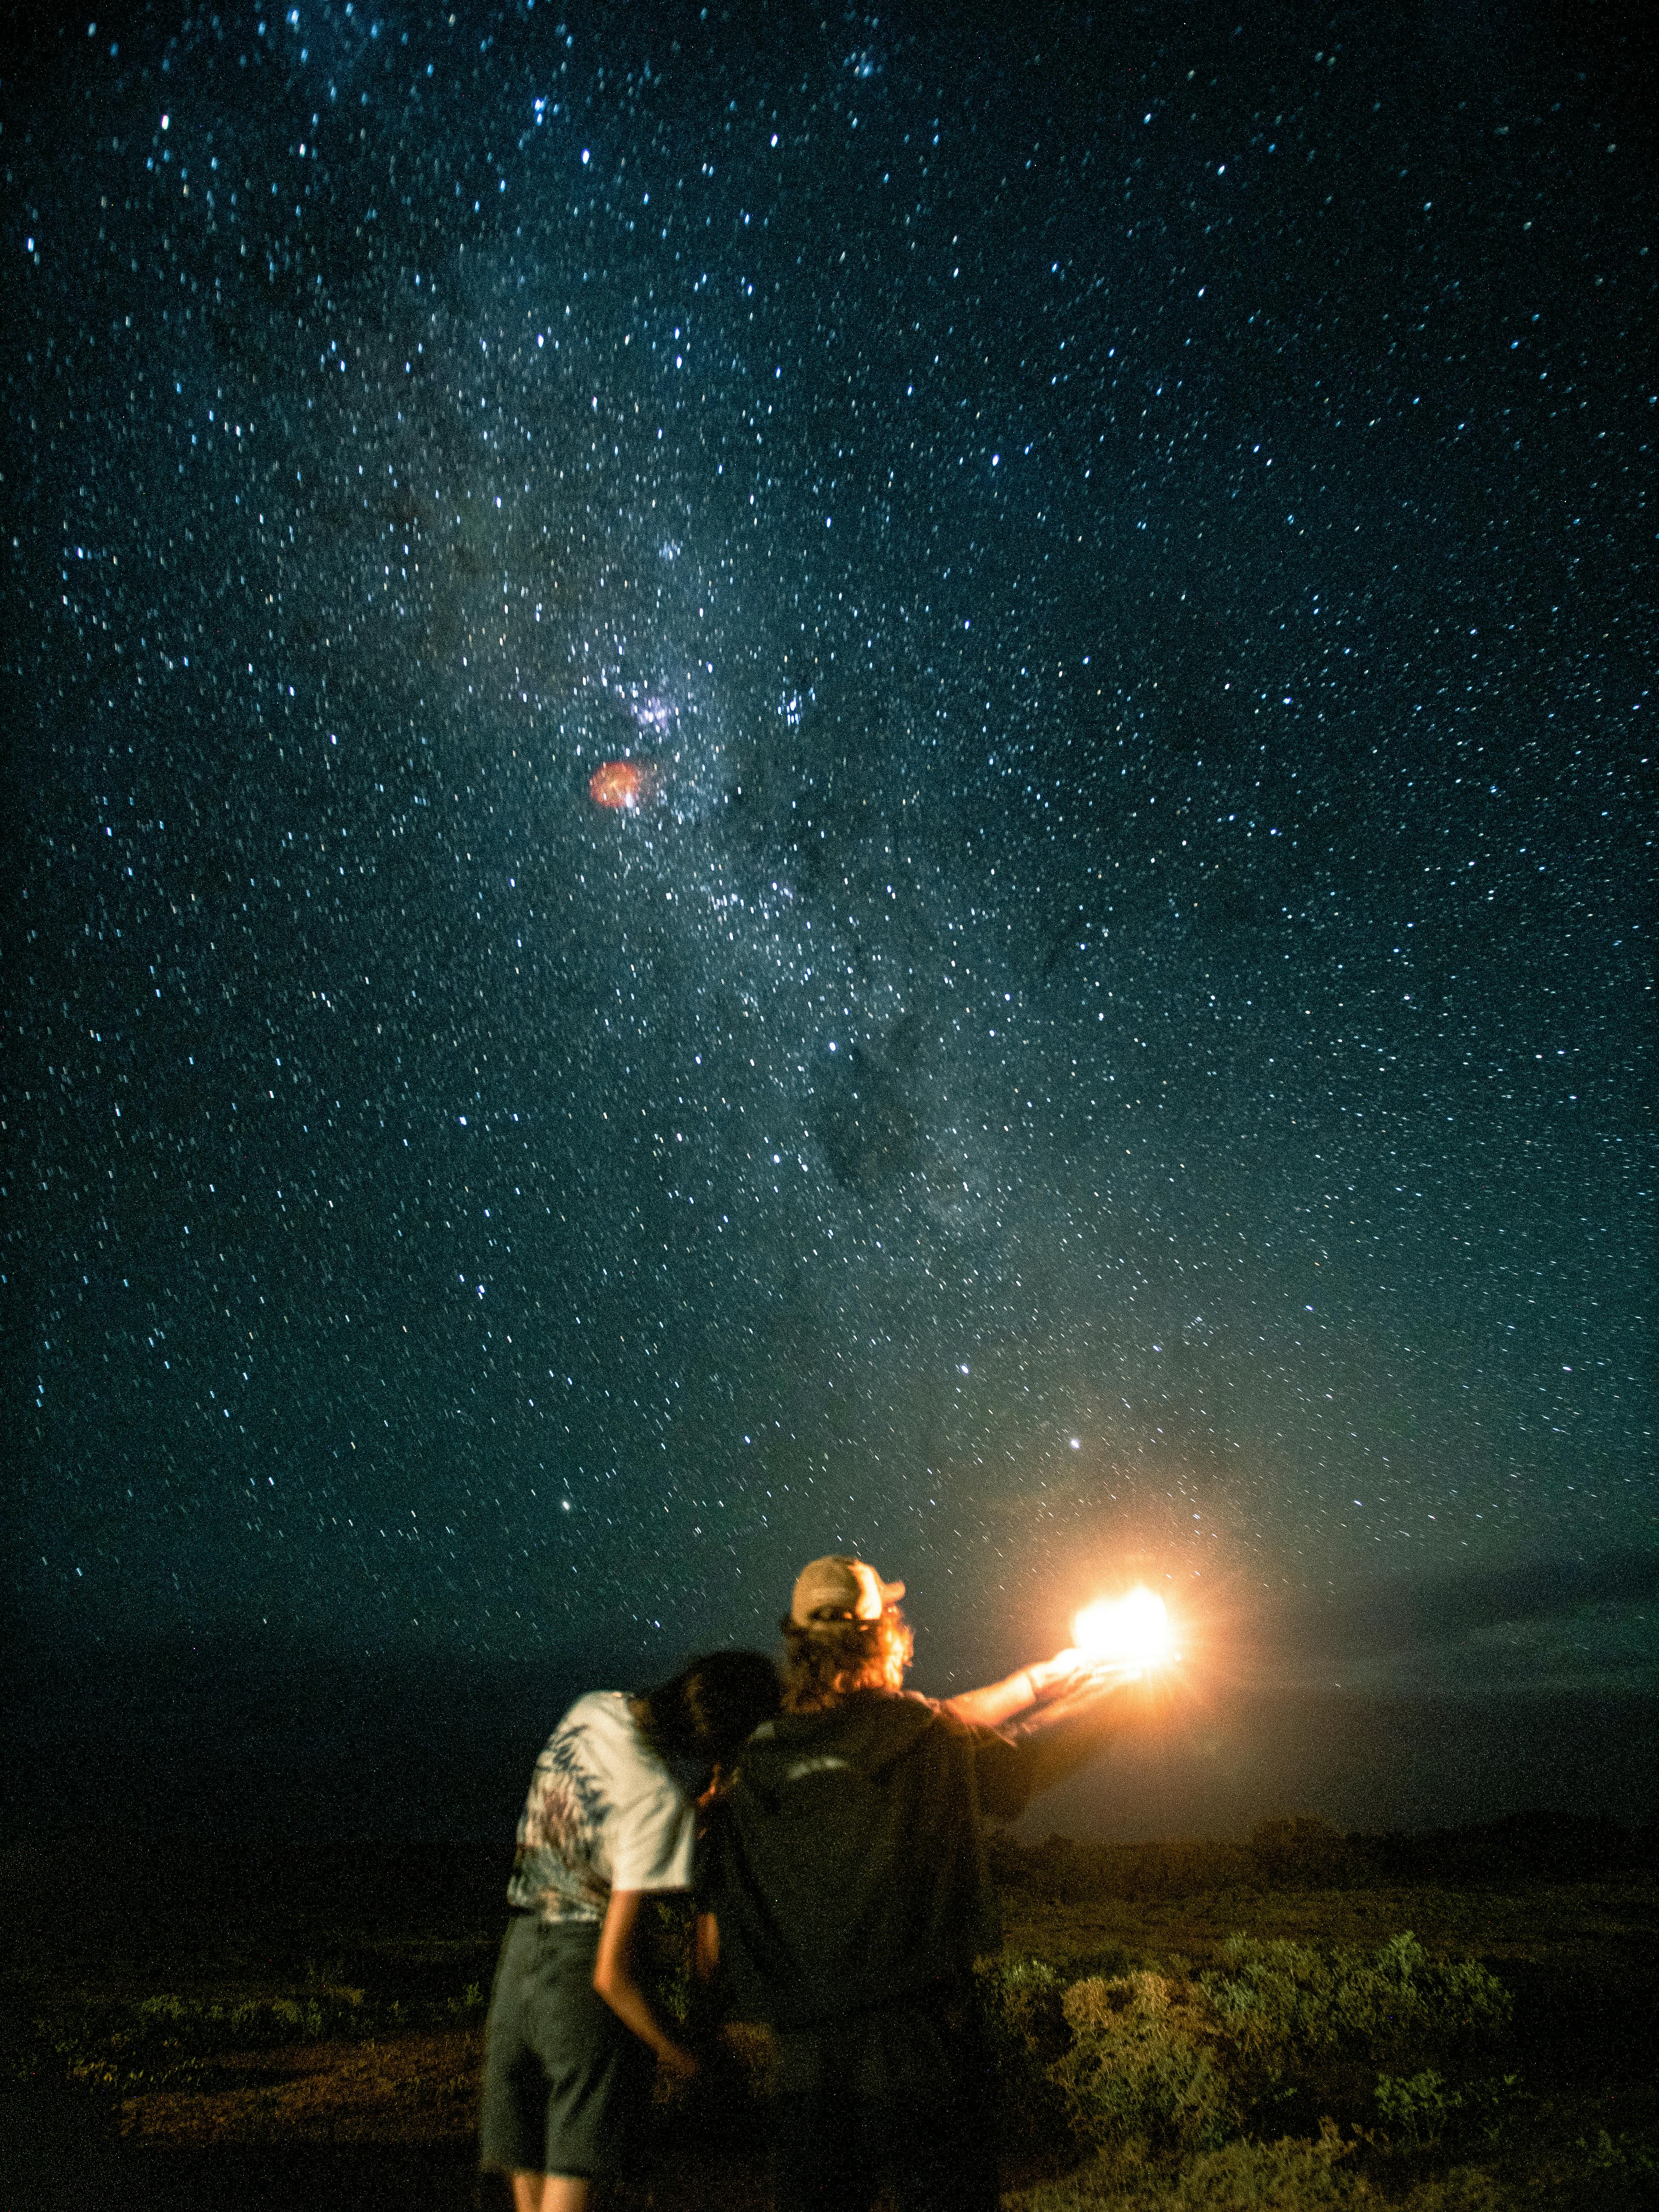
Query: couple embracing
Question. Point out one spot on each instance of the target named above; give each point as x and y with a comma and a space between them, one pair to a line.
842, 1897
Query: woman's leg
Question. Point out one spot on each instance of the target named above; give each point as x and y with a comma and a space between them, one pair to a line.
550, 2192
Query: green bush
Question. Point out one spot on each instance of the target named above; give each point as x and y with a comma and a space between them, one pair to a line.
1162, 2065
189, 2024
1415, 2112
1291, 2175
1021, 2003
124, 2046
1142, 2064
1284, 2003
1623, 2155
1465, 2189
1024, 2030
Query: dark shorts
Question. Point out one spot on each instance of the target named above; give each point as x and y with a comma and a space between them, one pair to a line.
567, 2088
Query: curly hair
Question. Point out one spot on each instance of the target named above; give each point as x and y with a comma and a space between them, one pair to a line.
829, 1660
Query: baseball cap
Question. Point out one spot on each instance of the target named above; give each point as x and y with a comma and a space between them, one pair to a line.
836, 1586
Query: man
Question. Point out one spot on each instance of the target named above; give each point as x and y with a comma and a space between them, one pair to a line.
847, 1895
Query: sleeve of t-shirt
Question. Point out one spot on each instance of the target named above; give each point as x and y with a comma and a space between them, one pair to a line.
654, 1837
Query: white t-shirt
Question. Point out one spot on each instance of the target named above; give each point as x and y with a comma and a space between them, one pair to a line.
604, 1812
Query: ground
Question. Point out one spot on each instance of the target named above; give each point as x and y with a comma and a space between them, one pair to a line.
283, 2030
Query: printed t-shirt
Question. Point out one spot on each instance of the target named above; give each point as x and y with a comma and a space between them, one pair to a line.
603, 1813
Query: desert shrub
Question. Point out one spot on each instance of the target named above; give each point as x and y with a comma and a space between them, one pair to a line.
1465, 2189
1423, 2110
1113, 2180
1025, 2031
166, 2041
1291, 2175
1283, 2004
1623, 2155
1287, 2176
1415, 2110
1020, 2008
1284, 2028
1142, 2064
189, 2024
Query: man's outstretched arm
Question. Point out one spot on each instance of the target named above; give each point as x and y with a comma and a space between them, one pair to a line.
1065, 1733
1033, 1686
1014, 1763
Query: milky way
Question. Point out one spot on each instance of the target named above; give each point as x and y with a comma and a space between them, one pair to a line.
1113, 1030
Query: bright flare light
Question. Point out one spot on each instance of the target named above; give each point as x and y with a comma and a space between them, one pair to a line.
1132, 1631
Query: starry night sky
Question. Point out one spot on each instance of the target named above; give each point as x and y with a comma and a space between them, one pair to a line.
1116, 1041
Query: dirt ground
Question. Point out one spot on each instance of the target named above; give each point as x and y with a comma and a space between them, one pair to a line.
385, 2114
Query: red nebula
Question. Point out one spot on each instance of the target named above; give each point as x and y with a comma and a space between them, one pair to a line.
623, 784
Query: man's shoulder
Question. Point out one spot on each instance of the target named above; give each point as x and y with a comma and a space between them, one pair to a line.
869, 1729
952, 1723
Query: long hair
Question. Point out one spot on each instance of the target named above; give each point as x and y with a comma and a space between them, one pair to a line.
830, 1660
712, 1706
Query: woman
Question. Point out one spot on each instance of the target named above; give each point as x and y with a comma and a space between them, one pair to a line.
609, 1823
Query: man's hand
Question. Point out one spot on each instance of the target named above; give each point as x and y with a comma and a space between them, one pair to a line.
1054, 1678
1043, 1686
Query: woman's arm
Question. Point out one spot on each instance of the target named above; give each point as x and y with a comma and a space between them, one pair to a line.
706, 1948
616, 1983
